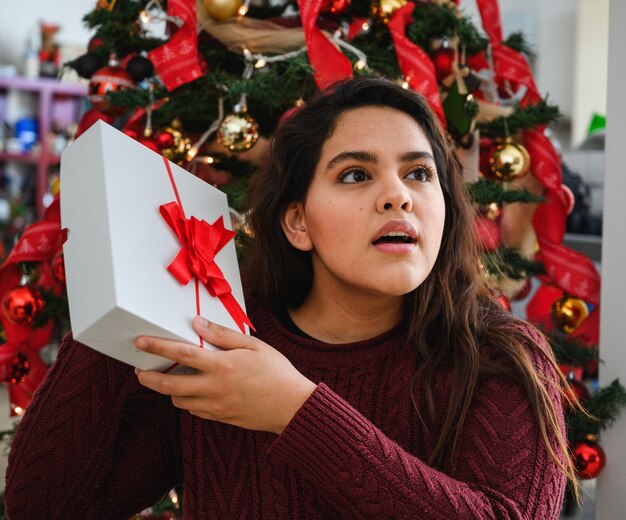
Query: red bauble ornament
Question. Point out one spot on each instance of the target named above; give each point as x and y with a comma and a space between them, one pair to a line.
131, 132
58, 268
94, 43
501, 298
577, 389
164, 139
148, 140
443, 59
23, 305
336, 7
111, 78
589, 459
488, 233
18, 372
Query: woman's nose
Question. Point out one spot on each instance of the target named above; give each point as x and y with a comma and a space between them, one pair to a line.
394, 195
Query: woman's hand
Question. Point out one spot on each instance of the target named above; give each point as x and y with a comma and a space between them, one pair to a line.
247, 383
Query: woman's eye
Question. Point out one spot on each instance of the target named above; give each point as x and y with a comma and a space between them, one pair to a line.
354, 176
421, 174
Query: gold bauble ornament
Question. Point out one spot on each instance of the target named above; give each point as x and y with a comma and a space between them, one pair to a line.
238, 132
509, 161
384, 9
222, 9
568, 313
177, 152
492, 211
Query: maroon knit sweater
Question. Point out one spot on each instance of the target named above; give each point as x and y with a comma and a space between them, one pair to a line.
95, 444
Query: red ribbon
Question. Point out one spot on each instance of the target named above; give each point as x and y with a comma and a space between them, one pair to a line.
508, 64
329, 64
176, 61
201, 242
571, 272
417, 67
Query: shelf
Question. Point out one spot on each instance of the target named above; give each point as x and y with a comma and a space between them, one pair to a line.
30, 158
57, 101
51, 85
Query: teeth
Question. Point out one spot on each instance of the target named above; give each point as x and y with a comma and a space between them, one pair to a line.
396, 234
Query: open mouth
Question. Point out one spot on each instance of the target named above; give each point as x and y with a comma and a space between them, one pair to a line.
395, 238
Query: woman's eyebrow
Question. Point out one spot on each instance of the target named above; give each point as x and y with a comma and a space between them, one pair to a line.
352, 155
370, 157
413, 156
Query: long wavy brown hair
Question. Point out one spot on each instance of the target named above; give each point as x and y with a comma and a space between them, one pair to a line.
451, 315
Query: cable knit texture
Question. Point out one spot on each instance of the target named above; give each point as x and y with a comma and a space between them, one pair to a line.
95, 444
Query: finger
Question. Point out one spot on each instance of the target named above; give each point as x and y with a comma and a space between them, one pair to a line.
174, 385
221, 336
183, 353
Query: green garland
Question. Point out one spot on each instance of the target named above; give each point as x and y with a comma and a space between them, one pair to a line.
508, 262
486, 191
604, 407
524, 118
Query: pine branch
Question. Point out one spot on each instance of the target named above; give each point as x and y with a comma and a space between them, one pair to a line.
507, 262
539, 114
486, 191
570, 351
517, 42
432, 22
605, 406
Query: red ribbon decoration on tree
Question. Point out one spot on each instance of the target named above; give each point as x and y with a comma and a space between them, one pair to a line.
40, 242
508, 64
176, 61
329, 63
417, 67
201, 241
571, 272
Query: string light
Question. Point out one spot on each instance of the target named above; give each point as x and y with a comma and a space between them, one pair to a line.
154, 12
193, 151
361, 62
243, 10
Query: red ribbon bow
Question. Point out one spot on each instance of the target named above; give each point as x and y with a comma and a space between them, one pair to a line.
201, 241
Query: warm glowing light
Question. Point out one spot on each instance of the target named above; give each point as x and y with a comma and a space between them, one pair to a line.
243, 10
193, 151
365, 26
145, 17
260, 64
359, 65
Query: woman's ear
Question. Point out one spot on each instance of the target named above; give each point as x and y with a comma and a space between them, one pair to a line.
294, 227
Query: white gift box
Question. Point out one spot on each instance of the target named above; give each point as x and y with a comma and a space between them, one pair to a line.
119, 247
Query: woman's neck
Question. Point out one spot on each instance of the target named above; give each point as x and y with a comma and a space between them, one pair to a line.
345, 318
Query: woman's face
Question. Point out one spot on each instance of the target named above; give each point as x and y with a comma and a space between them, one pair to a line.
373, 215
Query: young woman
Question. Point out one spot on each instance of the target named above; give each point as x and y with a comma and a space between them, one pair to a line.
382, 382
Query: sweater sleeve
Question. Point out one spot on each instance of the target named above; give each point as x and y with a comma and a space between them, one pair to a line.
93, 443
501, 468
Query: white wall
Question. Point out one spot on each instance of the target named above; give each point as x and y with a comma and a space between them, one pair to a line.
610, 492
19, 19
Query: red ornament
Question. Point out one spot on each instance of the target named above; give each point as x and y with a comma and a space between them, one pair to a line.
488, 233
94, 43
58, 268
23, 305
443, 59
18, 372
501, 298
164, 139
111, 78
576, 389
336, 7
132, 133
589, 459
148, 140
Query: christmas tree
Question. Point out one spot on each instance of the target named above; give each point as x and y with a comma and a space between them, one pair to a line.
210, 88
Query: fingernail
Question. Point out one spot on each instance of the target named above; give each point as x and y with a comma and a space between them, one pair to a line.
141, 343
202, 322
138, 371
